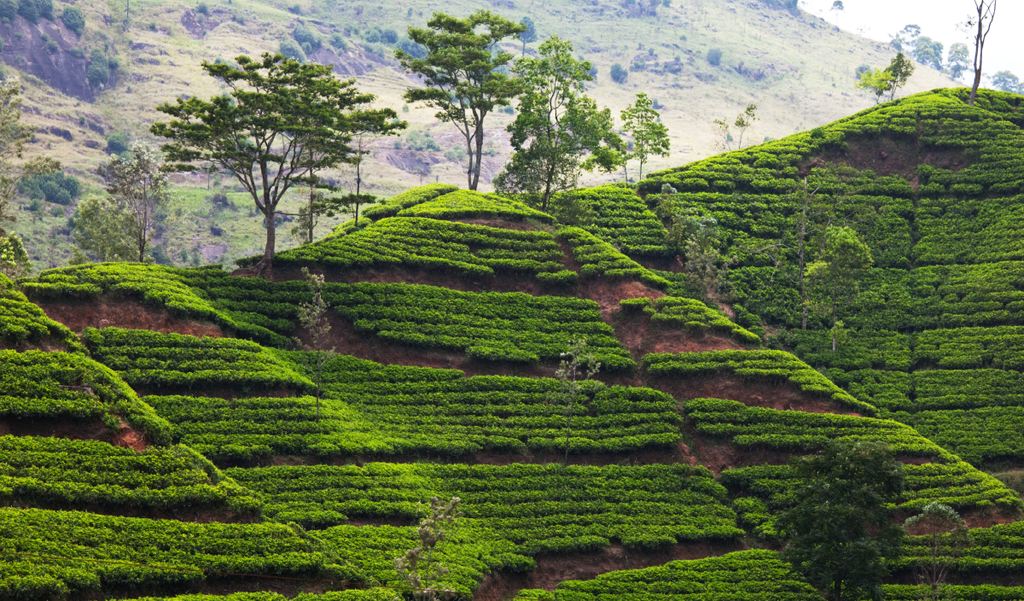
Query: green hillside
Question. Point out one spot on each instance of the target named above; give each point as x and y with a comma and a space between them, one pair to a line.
166, 433
795, 66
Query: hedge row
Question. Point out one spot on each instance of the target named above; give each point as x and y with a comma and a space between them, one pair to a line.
61, 473
42, 386
409, 198
472, 250
423, 416
157, 361
22, 321
541, 509
753, 575
467, 204
671, 312
773, 365
598, 258
622, 219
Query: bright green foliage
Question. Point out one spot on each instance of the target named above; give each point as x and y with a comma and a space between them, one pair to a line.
473, 250
463, 204
22, 322
134, 552
621, 218
409, 198
774, 365
493, 326
39, 385
689, 314
836, 273
598, 258
464, 74
177, 290
175, 362
650, 136
541, 509
996, 550
281, 123
953, 592
741, 576
395, 410
557, 126
71, 474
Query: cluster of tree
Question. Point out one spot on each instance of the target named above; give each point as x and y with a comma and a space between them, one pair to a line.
31, 10
888, 80
841, 530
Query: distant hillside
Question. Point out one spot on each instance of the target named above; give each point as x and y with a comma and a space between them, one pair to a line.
796, 67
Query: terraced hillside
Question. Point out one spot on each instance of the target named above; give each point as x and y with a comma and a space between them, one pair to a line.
164, 433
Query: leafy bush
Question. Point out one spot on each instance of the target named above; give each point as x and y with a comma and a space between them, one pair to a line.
73, 19
98, 72
292, 50
52, 187
619, 73
715, 57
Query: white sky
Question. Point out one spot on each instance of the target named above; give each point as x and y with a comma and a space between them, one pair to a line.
938, 19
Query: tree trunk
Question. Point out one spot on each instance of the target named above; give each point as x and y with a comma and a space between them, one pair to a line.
359, 180
837, 592
309, 239
479, 154
470, 156
835, 300
267, 262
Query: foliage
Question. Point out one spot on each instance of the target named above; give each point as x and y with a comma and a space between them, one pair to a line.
742, 123
73, 19
556, 126
13, 137
620, 218
463, 77
928, 52
650, 136
742, 575
843, 261
618, 73
280, 124
949, 535
420, 567
958, 60
598, 258
98, 72
840, 529
411, 197
576, 368
313, 319
23, 322
14, 260
699, 239
52, 187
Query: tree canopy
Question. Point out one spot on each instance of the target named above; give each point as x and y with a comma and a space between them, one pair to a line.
650, 136
557, 125
280, 124
464, 73
840, 529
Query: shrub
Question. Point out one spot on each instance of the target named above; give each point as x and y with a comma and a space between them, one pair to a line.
29, 9
117, 142
619, 74
291, 49
73, 19
8, 9
98, 72
306, 35
52, 187
715, 56
203, 9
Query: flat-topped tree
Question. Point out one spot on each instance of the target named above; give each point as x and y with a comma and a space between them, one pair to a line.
463, 73
280, 124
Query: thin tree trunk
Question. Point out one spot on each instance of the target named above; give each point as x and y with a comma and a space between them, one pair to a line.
470, 156
479, 155
837, 593
835, 300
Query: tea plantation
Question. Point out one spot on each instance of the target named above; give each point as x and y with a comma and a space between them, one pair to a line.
249, 463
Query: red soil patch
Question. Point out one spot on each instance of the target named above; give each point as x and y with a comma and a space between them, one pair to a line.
552, 570
47, 344
123, 313
608, 292
74, 429
783, 396
721, 456
640, 337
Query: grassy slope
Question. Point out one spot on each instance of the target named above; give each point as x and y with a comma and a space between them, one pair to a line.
812, 85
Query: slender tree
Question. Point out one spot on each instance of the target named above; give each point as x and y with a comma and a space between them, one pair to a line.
981, 23
140, 189
529, 35
421, 567
556, 127
956, 60
840, 530
281, 123
742, 123
464, 74
650, 136
577, 367
947, 535
313, 318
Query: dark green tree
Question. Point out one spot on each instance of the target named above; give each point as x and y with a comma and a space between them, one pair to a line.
556, 126
900, 68
528, 36
843, 261
98, 72
281, 124
841, 530
464, 74
73, 19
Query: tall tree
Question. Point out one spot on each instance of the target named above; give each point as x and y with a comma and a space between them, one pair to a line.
529, 35
838, 7
650, 136
901, 69
281, 123
140, 189
843, 261
105, 229
981, 24
840, 530
947, 535
928, 52
574, 373
13, 136
557, 126
957, 59
742, 123
463, 73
